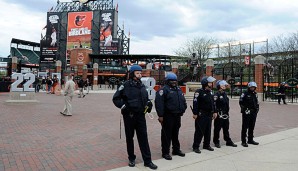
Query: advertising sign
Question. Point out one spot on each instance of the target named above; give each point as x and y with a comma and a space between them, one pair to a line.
79, 31
108, 33
49, 43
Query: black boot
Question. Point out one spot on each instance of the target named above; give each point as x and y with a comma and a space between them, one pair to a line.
252, 142
244, 144
178, 153
151, 166
208, 148
167, 156
131, 163
231, 144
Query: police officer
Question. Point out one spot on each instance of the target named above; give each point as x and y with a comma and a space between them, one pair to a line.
170, 105
282, 93
203, 112
132, 99
222, 120
249, 108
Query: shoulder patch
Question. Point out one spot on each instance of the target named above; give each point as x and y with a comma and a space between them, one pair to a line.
121, 87
160, 92
197, 94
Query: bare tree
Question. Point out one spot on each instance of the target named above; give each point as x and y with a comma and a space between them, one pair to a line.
280, 43
199, 46
198, 51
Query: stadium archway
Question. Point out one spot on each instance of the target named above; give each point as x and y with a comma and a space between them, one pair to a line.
279, 71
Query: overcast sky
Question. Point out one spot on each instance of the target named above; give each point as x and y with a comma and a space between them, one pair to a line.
160, 26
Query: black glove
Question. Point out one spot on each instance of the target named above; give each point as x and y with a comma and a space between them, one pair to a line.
150, 105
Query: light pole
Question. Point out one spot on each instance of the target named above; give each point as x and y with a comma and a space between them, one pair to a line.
200, 64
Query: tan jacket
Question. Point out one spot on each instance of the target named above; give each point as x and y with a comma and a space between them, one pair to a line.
69, 88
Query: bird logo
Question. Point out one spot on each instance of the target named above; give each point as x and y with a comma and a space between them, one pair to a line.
79, 20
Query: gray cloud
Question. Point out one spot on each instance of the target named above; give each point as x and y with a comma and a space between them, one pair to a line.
35, 5
145, 22
154, 22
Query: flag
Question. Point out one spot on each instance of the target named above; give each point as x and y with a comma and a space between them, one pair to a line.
44, 27
117, 7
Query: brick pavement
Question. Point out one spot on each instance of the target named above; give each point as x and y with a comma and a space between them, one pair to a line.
37, 137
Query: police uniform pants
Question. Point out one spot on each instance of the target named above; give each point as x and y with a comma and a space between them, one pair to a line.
202, 128
132, 123
170, 132
67, 107
248, 123
224, 124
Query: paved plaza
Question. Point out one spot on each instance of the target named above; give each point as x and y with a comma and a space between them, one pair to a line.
35, 136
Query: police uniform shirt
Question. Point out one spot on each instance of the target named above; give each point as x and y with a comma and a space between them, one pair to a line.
203, 102
170, 100
133, 95
249, 100
222, 102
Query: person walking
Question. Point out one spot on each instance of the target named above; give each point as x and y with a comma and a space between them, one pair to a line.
282, 93
68, 95
222, 120
132, 99
81, 84
203, 112
249, 105
49, 85
170, 105
43, 83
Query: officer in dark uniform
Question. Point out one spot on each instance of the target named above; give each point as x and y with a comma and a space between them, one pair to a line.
170, 105
222, 120
249, 108
132, 99
282, 93
203, 112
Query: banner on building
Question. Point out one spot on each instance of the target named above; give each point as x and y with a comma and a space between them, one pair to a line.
79, 31
108, 32
48, 44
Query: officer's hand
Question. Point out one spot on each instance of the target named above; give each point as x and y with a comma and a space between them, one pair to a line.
214, 115
150, 105
160, 120
195, 116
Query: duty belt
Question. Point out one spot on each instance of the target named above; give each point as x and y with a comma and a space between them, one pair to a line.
204, 112
222, 115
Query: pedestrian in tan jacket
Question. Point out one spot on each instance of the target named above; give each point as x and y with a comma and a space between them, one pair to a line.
68, 95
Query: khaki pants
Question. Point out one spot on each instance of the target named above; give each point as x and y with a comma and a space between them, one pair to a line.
67, 107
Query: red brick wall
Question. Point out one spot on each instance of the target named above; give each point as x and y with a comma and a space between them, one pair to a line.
208, 70
259, 77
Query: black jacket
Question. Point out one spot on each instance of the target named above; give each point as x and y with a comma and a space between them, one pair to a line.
222, 102
282, 89
170, 100
249, 100
134, 95
203, 102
